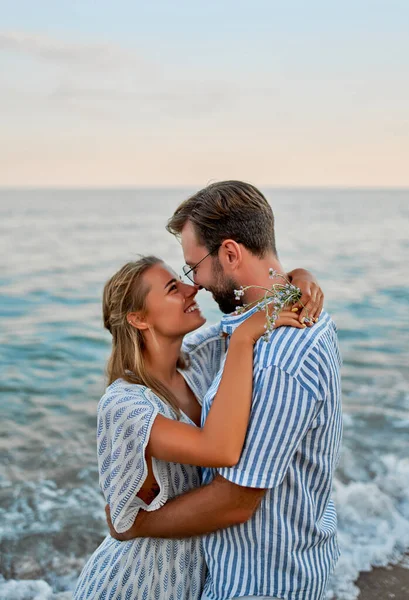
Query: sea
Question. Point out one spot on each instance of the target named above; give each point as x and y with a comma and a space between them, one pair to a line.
59, 247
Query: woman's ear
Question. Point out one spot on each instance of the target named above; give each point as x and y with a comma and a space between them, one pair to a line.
137, 320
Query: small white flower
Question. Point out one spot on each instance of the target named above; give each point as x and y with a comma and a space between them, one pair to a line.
280, 295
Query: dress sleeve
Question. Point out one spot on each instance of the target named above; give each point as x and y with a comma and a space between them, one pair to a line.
125, 419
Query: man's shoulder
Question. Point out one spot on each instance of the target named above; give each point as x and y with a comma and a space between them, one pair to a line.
202, 338
292, 350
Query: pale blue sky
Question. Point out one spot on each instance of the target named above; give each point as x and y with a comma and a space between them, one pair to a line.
181, 93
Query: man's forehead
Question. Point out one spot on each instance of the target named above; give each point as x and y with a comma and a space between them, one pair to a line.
190, 245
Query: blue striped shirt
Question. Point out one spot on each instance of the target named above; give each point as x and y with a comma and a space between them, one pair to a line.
289, 547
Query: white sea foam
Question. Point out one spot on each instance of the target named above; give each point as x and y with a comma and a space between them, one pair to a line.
373, 521
373, 531
29, 590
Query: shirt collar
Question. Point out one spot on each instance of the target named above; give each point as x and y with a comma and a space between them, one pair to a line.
230, 322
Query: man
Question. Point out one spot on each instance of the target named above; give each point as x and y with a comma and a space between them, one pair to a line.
270, 520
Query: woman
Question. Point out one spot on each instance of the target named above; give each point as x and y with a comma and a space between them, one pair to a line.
150, 443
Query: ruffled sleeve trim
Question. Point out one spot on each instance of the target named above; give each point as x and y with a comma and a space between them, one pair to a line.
125, 418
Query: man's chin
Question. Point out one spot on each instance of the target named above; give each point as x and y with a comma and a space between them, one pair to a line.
224, 304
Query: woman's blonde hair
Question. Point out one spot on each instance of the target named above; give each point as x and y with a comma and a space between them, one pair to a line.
124, 293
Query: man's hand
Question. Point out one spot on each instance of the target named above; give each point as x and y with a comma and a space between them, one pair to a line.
312, 299
112, 532
121, 537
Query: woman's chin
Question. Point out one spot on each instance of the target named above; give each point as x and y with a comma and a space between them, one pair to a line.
197, 322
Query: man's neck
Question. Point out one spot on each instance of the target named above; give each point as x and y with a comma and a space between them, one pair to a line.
257, 274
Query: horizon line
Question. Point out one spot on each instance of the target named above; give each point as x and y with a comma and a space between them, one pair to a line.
199, 186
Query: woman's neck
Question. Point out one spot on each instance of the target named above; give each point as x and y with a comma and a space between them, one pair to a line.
161, 357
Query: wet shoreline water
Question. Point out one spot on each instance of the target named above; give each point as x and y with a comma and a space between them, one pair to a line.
59, 247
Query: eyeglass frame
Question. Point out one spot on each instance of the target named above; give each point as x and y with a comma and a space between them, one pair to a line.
190, 269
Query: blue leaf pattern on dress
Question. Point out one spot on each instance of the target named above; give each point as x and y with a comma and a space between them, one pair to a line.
146, 569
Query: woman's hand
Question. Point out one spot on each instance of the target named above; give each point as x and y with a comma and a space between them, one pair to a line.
312, 299
254, 327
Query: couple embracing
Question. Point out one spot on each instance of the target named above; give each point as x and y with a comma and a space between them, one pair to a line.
217, 450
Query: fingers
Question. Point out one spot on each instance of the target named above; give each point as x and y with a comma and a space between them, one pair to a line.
289, 323
306, 303
108, 518
320, 307
305, 316
315, 307
288, 314
287, 318
312, 308
108, 514
112, 532
307, 291
300, 318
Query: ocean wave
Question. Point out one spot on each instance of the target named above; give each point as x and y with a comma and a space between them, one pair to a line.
53, 351
29, 590
373, 519
373, 525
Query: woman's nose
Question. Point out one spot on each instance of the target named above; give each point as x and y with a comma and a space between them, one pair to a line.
192, 290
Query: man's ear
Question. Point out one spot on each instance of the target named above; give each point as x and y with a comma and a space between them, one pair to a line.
230, 254
137, 320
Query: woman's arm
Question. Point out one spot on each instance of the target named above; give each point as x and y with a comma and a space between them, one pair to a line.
220, 441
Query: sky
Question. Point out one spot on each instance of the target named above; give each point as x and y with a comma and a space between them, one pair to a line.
180, 93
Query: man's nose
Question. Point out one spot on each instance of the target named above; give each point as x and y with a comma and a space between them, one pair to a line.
197, 285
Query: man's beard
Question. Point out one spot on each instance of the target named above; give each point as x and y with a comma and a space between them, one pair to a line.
223, 290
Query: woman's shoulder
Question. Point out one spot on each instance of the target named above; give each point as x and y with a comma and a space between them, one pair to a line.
124, 392
122, 395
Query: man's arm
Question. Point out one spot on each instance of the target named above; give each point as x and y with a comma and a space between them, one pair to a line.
215, 506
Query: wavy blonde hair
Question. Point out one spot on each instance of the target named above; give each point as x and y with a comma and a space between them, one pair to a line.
124, 293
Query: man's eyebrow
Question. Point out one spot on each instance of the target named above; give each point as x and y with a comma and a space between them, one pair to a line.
169, 283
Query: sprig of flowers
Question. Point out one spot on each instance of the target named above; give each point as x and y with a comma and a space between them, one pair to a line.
280, 295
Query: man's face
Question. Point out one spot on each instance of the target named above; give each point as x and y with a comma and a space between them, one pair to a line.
209, 274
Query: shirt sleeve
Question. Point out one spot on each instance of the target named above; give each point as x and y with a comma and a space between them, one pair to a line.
282, 411
205, 350
125, 420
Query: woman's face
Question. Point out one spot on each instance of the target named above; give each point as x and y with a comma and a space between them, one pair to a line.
171, 309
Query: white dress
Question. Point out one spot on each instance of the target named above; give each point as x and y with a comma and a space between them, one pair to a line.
146, 568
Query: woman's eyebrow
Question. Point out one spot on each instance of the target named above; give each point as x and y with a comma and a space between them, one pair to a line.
169, 283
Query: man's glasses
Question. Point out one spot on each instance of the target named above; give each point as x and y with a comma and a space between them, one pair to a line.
187, 271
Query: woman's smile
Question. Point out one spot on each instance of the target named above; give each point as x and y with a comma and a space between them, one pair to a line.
192, 308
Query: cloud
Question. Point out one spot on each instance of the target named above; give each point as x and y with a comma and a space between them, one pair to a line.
177, 101
95, 55
109, 81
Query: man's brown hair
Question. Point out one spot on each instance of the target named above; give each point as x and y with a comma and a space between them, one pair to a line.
228, 210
